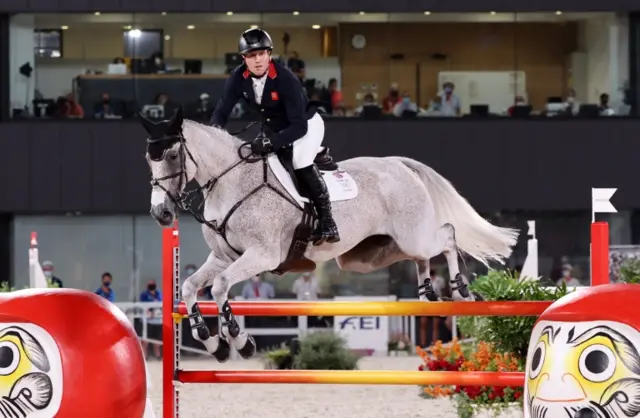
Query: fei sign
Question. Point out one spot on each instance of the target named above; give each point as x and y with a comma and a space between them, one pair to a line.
369, 333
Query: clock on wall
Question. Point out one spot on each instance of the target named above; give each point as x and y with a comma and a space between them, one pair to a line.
358, 41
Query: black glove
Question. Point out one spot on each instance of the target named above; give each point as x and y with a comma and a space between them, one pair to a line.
261, 145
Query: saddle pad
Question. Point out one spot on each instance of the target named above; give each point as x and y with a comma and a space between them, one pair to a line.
340, 184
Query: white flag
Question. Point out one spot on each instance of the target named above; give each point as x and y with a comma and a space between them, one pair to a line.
600, 201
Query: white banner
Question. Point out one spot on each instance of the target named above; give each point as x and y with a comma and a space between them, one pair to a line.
370, 333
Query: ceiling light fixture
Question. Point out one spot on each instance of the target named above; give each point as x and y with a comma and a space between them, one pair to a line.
65, 27
254, 26
427, 13
361, 13
296, 13
163, 13
97, 13
167, 37
315, 27
558, 13
191, 27
493, 13
229, 13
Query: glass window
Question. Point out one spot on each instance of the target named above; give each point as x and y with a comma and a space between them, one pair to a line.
393, 65
47, 43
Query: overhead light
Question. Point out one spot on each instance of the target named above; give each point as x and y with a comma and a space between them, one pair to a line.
558, 12
361, 13
493, 13
135, 33
296, 13
229, 13
65, 27
315, 27
191, 27
163, 13
167, 37
97, 13
129, 27
254, 26
427, 13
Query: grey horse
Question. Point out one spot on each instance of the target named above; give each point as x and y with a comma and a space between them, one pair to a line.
403, 210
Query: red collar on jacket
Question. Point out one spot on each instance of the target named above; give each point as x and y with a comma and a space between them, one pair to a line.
271, 71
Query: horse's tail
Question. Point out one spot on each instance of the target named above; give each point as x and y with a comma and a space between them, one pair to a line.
474, 235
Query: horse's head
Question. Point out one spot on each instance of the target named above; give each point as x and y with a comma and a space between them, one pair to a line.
172, 166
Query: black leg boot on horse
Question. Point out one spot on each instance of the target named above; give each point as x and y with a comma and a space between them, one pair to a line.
327, 230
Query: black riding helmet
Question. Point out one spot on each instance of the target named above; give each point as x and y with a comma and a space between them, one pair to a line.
254, 40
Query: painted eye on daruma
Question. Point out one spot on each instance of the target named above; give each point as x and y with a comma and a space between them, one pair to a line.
537, 360
9, 358
597, 363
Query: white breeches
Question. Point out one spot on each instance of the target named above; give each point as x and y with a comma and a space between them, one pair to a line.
306, 148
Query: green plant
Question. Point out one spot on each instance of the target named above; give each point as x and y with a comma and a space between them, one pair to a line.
324, 350
510, 334
279, 358
399, 342
5, 287
630, 271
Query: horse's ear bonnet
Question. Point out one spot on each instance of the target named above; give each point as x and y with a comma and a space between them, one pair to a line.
162, 135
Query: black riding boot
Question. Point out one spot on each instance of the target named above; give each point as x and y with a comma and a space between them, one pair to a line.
327, 229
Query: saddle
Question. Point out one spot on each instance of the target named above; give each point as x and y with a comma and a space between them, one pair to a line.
295, 260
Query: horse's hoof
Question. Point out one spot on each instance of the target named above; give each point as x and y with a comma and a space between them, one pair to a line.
477, 297
200, 333
249, 348
223, 352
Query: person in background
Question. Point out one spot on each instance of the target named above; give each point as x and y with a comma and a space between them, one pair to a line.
368, 103
47, 269
604, 108
104, 109
406, 107
154, 319
258, 289
450, 101
571, 103
567, 277
296, 65
105, 290
392, 99
157, 63
519, 101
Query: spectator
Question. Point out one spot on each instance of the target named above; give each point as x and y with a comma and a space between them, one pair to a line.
406, 107
67, 107
571, 103
258, 289
297, 66
519, 101
105, 290
306, 287
104, 109
369, 107
450, 101
154, 319
567, 277
47, 269
157, 63
336, 98
604, 108
392, 99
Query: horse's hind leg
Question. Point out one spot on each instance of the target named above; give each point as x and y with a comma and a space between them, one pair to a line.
215, 345
459, 283
425, 287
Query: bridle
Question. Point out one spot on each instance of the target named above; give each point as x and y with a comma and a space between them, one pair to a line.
184, 199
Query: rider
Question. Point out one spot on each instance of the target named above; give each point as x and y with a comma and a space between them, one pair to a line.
276, 94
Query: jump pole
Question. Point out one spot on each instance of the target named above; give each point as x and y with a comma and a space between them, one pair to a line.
173, 311
600, 203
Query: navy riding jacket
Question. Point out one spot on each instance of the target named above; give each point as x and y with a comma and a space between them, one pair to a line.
284, 108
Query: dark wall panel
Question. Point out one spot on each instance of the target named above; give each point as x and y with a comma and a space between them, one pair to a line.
99, 167
198, 6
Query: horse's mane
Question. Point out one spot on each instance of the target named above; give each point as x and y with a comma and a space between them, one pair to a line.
213, 132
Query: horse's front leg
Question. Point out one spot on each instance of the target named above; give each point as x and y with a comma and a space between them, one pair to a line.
215, 345
252, 262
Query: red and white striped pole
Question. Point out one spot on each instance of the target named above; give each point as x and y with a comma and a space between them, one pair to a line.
170, 347
600, 235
